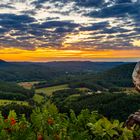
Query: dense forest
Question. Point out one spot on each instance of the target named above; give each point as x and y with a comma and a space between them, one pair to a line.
13, 91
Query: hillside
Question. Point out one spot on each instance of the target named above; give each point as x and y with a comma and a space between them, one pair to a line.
123, 71
13, 91
119, 76
3, 63
50, 71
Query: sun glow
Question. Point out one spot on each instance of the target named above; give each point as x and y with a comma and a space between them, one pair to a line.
12, 54
136, 43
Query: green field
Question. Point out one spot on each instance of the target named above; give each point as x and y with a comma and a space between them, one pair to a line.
49, 90
6, 102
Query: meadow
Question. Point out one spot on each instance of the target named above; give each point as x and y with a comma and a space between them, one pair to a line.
38, 98
49, 90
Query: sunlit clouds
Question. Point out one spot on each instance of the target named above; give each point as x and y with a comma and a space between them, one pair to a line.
136, 43
48, 30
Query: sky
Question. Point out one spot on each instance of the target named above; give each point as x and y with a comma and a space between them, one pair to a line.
65, 30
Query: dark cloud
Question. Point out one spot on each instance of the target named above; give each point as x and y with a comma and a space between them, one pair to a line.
90, 3
18, 18
17, 22
95, 26
3, 30
123, 1
53, 24
117, 10
114, 30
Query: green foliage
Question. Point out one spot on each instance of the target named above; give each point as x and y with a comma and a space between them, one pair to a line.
112, 105
19, 109
106, 130
48, 123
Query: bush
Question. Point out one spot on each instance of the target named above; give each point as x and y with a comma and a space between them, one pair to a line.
48, 123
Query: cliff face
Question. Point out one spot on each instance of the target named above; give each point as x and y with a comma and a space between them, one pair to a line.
136, 76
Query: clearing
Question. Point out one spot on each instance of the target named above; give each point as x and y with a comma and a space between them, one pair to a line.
49, 90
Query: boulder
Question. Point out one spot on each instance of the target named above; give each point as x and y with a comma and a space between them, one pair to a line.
134, 119
136, 76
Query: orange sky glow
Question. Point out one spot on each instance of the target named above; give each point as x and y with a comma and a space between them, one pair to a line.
14, 54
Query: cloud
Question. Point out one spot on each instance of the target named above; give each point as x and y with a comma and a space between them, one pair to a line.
6, 6
95, 26
17, 22
53, 24
117, 10
75, 24
90, 3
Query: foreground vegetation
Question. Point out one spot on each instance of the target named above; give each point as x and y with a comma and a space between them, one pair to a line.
46, 123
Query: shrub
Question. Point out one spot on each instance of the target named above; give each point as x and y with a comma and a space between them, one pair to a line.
48, 123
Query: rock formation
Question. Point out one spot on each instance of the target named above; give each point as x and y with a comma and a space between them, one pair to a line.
135, 118
136, 76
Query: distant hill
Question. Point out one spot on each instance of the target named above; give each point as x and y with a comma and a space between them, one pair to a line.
119, 76
47, 71
82, 66
120, 72
2, 62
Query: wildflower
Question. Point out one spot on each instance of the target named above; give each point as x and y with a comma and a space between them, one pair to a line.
39, 137
13, 121
50, 121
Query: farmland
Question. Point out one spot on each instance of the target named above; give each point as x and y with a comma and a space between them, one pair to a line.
28, 85
49, 90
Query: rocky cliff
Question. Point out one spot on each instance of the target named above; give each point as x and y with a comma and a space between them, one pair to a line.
136, 76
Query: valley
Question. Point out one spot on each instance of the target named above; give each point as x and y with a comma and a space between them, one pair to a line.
109, 92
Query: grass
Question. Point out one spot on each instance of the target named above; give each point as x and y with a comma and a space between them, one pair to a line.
6, 102
72, 98
130, 91
38, 98
49, 90
84, 89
